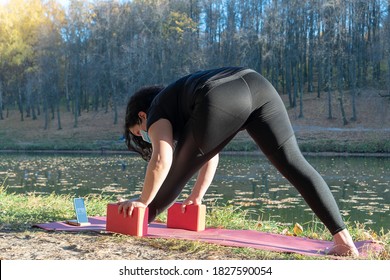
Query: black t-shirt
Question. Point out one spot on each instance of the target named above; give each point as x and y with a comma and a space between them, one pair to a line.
176, 102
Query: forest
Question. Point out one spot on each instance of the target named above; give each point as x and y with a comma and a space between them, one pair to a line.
92, 55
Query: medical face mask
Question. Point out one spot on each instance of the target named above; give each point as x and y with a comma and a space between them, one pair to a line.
145, 136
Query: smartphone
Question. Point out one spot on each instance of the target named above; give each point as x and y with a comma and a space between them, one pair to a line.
81, 213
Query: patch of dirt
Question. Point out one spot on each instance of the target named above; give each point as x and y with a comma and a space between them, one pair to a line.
43, 245
70, 246
372, 117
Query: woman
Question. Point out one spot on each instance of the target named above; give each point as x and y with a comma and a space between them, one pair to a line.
180, 129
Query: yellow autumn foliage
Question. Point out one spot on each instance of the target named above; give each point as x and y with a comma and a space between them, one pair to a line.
21, 25
298, 229
177, 24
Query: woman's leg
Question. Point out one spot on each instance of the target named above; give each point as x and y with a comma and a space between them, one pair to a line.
291, 163
293, 166
271, 129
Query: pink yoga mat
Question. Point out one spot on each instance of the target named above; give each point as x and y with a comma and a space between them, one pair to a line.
228, 237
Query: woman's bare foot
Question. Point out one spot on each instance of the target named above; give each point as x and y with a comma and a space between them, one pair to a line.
343, 245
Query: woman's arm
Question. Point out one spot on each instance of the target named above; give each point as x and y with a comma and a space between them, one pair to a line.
204, 179
162, 141
160, 163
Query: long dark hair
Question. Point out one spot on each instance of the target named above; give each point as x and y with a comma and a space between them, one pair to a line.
139, 101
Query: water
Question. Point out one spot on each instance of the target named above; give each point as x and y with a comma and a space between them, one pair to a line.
361, 185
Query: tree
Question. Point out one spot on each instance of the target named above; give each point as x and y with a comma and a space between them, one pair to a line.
387, 33
76, 34
96, 53
22, 26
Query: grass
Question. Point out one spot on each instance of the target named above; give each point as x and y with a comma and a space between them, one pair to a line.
236, 145
347, 146
20, 211
379, 146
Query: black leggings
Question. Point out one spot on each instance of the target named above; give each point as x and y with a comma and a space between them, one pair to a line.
248, 101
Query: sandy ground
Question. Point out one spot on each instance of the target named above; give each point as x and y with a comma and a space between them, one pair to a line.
41, 245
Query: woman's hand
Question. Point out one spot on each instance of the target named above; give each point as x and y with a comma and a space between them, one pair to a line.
128, 206
191, 200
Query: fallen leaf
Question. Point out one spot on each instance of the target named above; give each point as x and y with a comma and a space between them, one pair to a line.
298, 229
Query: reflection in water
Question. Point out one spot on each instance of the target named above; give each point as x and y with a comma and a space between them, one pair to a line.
361, 186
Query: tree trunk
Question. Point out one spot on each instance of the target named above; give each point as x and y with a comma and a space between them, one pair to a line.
310, 87
20, 103
28, 91
33, 104
57, 98
66, 83
288, 80
58, 115
388, 72
77, 90
300, 77
352, 73
1, 101
114, 100
328, 89
340, 88
388, 46
76, 107
46, 111
294, 73
52, 109
319, 78
341, 95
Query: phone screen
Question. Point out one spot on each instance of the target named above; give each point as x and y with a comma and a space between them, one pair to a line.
81, 212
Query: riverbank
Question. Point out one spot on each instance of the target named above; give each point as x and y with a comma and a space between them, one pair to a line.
366, 142
225, 152
318, 142
315, 132
20, 241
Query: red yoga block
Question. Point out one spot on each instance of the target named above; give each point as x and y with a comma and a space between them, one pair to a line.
135, 225
194, 217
